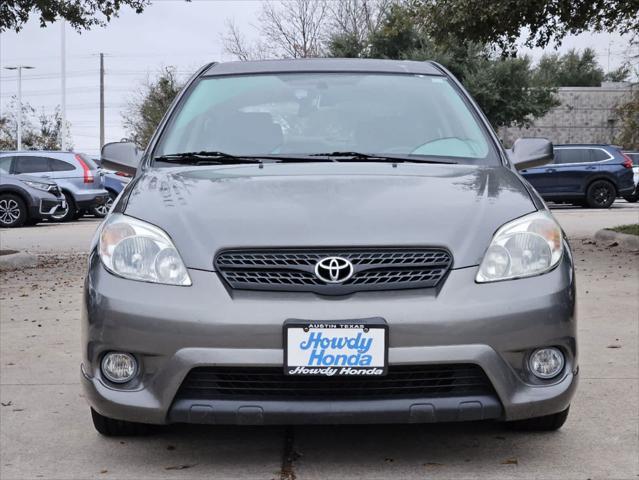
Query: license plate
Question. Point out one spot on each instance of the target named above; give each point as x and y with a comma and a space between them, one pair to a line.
336, 348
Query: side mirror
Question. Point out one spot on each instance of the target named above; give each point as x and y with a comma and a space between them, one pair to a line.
122, 156
530, 152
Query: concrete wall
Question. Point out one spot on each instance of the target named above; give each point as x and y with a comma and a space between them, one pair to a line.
586, 115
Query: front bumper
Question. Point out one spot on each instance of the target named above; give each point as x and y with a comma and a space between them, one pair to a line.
174, 329
46, 207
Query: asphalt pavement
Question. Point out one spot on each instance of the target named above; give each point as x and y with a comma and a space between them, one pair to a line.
46, 431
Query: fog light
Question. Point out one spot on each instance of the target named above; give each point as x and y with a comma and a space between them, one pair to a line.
119, 367
546, 362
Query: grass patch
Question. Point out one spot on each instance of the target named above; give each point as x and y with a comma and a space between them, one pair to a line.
632, 229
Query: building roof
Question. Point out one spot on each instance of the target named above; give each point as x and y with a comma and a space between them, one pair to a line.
323, 65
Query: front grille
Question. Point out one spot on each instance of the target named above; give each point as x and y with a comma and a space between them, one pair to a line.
402, 381
294, 270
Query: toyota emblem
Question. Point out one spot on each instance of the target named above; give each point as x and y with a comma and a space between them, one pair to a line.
334, 269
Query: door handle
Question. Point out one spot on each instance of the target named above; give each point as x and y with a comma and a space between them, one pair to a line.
550, 170
591, 168
524, 171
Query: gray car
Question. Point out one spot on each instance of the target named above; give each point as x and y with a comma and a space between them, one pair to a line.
26, 200
77, 175
329, 241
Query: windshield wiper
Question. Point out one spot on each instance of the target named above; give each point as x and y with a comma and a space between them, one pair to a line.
205, 157
222, 158
373, 157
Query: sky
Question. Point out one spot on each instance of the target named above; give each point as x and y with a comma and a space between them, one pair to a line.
136, 47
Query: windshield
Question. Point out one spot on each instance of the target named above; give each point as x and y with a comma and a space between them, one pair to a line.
309, 113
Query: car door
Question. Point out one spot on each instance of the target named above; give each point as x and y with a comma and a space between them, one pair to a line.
571, 174
540, 177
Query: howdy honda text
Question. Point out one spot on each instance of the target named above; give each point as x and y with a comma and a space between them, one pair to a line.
329, 372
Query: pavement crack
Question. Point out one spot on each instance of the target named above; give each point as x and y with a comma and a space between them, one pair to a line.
289, 455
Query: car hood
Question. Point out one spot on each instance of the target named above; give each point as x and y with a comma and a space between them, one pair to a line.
208, 209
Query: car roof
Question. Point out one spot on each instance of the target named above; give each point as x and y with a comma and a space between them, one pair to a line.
597, 145
343, 65
602, 146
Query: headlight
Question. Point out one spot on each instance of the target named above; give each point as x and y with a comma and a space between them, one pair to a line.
527, 246
137, 250
37, 185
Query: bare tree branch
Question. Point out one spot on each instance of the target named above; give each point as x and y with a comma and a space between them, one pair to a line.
237, 45
303, 28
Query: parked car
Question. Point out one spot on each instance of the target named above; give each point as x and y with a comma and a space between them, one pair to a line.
634, 196
26, 200
114, 182
328, 241
75, 173
589, 175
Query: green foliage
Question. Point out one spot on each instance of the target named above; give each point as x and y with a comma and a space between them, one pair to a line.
506, 91
504, 87
621, 74
39, 131
502, 22
628, 114
145, 112
573, 69
81, 14
345, 45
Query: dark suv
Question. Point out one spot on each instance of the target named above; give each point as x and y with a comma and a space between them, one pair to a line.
589, 175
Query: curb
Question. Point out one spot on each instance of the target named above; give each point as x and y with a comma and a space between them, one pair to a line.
17, 260
626, 240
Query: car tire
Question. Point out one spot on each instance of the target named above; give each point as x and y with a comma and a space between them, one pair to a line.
632, 198
68, 213
601, 194
547, 423
13, 211
110, 427
103, 210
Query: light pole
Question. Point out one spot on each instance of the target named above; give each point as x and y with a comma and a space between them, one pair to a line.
63, 86
19, 115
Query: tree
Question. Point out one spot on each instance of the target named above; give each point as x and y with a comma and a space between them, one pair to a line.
81, 14
39, 131
506, 90
352, 22
146, 110
504, 87
573, 69
541, 22
628, 114
621, 74
236, 44
289, 29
